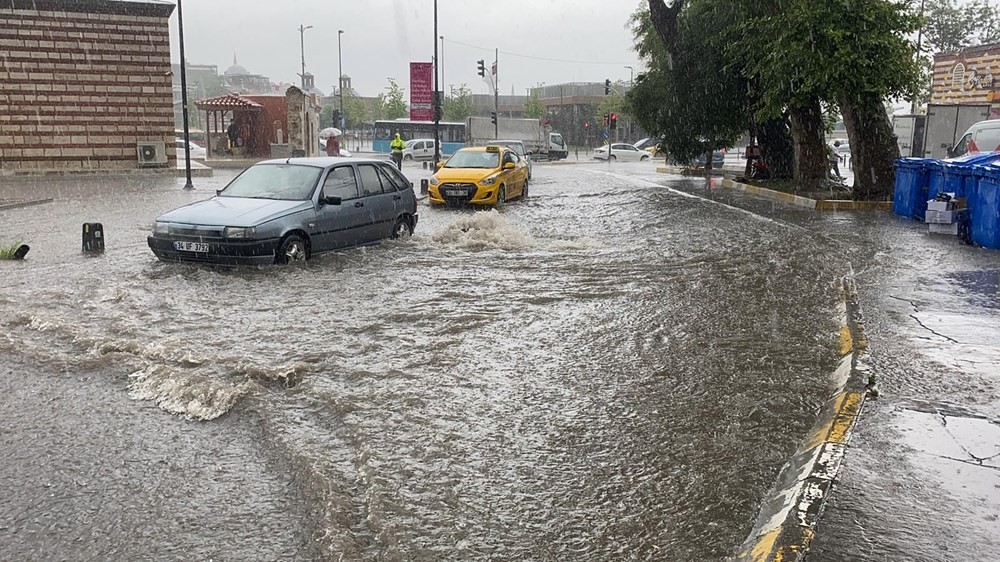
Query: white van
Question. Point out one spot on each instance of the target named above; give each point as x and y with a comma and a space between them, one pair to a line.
981, 137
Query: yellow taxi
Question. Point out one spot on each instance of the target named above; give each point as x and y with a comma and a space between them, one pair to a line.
484, 175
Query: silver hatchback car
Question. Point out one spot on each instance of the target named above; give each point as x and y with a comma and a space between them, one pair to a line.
279, 211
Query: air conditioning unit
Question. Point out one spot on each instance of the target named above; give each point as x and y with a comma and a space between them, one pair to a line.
151, 153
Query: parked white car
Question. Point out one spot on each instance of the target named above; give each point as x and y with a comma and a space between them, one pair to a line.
419, 149
621, 151
197, 152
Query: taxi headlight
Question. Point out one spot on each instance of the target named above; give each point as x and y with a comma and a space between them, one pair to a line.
490, 180
239, 232
161, 228
433, 180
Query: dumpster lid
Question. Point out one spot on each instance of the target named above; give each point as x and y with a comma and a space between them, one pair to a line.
915, 162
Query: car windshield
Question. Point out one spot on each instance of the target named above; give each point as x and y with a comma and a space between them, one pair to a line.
470, 159
289, 182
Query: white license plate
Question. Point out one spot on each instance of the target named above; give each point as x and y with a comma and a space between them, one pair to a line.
455, 192
191, 247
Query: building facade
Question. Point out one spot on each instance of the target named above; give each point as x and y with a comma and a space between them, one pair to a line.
970, 76
85, 86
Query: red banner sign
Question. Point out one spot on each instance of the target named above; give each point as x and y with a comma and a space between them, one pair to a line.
421, 91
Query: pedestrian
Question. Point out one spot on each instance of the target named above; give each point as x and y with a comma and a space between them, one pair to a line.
332, 146
834, 158
397, 145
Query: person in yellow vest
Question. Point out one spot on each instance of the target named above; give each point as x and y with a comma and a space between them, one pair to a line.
397, 145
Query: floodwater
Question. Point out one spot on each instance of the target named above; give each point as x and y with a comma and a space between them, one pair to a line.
609, 370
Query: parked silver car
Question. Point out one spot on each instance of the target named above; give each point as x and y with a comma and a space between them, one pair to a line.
279, 211
518, 147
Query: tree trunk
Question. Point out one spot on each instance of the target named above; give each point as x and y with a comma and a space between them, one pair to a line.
811, 164
873, 147
776, 148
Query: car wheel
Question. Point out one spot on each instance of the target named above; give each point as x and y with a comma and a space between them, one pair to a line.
524, 190
501, 196
643, 158
613, 157
293, 249
402, 229
407, 157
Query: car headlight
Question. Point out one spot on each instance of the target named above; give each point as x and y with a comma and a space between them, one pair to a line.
239, 232
490, 180
433, 180
161, 228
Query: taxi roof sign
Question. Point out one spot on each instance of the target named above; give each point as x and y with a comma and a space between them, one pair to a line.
492, 148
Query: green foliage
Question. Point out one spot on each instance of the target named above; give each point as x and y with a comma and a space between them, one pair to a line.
329, 116
834, 51
354, 109
393, 101
533, 106
458, 105
694, 98
7, 250
955, 24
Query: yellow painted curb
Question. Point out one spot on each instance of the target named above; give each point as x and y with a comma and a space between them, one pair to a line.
799, 201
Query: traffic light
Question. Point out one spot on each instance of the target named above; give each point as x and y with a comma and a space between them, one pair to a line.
607, 119
607, 86
482, 68
614, 121
493, 117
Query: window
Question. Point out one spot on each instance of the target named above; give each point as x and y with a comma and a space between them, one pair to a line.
962, 147
958, 76
987, 140
371, 184
391, 179
418, 145
340, 182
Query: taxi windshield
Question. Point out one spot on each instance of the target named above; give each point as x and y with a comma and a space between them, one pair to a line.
463, 159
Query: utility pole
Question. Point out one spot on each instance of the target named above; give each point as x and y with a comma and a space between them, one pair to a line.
920, 34
302, 47
442, 65
340, 80
437, 100
184, 100
496, 93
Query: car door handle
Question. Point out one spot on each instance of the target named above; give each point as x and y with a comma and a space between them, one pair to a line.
397, 197
359, 204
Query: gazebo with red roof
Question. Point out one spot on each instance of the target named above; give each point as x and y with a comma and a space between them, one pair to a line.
240, 137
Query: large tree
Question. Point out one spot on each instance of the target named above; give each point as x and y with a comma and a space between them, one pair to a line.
393, 102
951, 25
458, 105
533, 106
691, 97
852, 53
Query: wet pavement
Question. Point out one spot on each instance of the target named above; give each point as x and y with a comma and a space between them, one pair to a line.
615, 368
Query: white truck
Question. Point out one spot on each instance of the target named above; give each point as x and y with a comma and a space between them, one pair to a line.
537, 136
946, 124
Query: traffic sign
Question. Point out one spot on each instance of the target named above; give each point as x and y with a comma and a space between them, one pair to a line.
605, 135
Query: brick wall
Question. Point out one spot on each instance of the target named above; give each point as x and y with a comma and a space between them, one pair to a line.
81, 82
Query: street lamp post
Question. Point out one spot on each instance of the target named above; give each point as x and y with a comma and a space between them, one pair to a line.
631, 83
184, 99
302, 46
631, 73
340, 79
437, 117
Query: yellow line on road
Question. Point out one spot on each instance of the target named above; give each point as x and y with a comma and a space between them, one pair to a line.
846, 341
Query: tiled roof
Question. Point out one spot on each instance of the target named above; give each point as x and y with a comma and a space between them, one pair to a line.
228, 101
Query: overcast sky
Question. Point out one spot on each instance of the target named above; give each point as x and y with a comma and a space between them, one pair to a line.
589, 38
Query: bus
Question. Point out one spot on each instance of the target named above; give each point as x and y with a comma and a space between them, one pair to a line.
452, 134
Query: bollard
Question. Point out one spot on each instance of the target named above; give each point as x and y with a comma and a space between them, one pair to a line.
424, 164
424, 183
93, 237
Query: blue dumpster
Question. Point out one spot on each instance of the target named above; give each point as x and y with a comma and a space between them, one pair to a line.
957, 176
983, 201
909, 197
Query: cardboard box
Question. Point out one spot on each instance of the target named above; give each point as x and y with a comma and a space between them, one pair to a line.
942, 217
933, 205
944, 228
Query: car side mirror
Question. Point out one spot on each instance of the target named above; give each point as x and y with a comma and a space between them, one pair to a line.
332, 200
218, 192
439, 165
509, 166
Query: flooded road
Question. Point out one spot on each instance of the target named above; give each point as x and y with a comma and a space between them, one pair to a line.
609, 370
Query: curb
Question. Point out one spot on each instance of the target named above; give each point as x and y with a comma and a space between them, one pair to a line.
787, 520
805, 202
18, 204
683, 171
